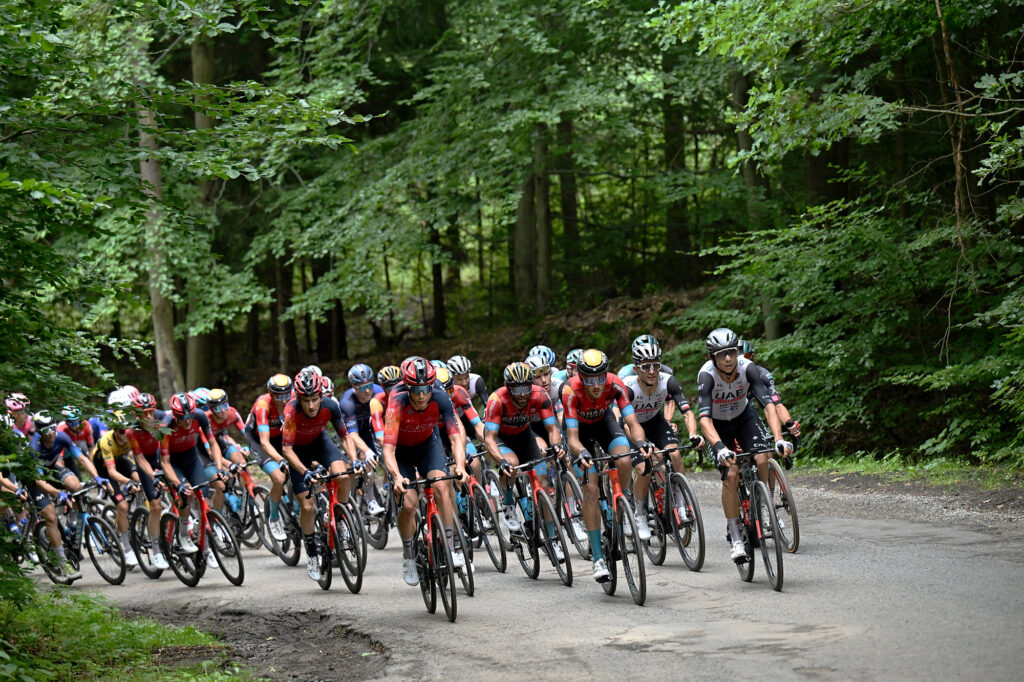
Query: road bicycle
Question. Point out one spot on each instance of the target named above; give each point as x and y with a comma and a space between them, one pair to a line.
673, 511
336, 532
539, 520
433, 556
568, 498
209, 529
758, 523
89, 531
138, 527
244, 503
478, 518
783, 500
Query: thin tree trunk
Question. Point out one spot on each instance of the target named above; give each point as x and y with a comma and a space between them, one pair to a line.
252, 336
680, 265
324, 347
525, 237
287, 341
542, 212
307, 324
339, 344
438, 325
566, 164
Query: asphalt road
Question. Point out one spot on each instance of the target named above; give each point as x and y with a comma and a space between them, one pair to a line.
865, 598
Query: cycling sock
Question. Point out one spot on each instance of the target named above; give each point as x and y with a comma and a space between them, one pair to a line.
550, 525
155, 545
126, 539
310, 544
735, 531
274, 511
449, 536
595, 544
509, 499
407, 549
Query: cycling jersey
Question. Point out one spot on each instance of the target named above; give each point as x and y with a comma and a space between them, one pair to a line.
27, 428
723, 400
264, 417
580, 407
82, 437
505, 417
630, 370
477, 387
220, 426
647, 406
181, 439
405, 426
358, 414
145, 442
98, 427
769, 383
300, 429
107, 450
60, 449
464, 410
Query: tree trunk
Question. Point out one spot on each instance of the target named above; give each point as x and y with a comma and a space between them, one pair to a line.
453, 276
542, 212
339, 340
680, 265
306, 319
525, 238
252, 337
566, 165
324, 345
438, 326
288, 344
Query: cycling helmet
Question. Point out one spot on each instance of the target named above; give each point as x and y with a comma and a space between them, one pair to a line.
517, 374
459, 364
116, 420
747, 350
646, 352
360, 374
537, 361
71, 413
202, 396
416, 371
182, 404
118, 397
17, 401
573, 358
389, 376
645, 339
216, 398
44, 422
280, 384
439, 363
130, 392
314, 368
445, 377
544, 352
592, 362
308, 384
721, 339
144, 401
328, 386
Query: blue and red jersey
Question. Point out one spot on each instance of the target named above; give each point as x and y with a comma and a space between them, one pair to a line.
264, 417
505, 417
83, 437
464, 409
299, 429
358, 415
60, 449
407, 426
580, 407
230, 418
182, 439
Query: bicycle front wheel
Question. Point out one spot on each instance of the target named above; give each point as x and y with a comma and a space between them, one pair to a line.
553, 538
47, 559
444, 572
687, 523
225, 547
138, 526
788, 530
346, 548
486, 522
571, 514
105, 550
465, 573
428, 586
632, 555
771, 546
185, 566
657, 547
377, 527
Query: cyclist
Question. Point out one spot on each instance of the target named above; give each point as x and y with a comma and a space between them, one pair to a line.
747, 349
508, 436
357, 406
727, 416
630, 370
304, 441
186, 426
469, 418
111, 454
559, 377
650, 392
588, 400
546, 354
78, 430
222, 417
144, 437
412, 443
17, 404
462, 370
263, 433
388, 378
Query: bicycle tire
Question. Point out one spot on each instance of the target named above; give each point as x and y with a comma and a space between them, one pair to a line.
785, 507
357, 524
465, 574
378, 527
547, 511
571, 512
633, 568
491, 537
48, 560
428, 586
138, 528
746, 567
444, 571
225, 547
256, 504
184, 566
609, 540
771, 546
524, 544
346, 548
104, 547
288, 550
657, 547
688, 534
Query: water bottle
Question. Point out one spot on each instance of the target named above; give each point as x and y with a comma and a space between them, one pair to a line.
386, 487
606, 510
460, 499
527, 504
234, 500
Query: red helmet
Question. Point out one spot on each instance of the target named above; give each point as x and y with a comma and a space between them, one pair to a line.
182, 403
144, 401
308, 384
328, 386
417, 371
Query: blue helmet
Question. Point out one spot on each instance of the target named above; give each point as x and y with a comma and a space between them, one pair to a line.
544, 352
439, 364
360, 374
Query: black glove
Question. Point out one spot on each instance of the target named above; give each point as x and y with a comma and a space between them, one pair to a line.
696, 442
308, 477
184, 487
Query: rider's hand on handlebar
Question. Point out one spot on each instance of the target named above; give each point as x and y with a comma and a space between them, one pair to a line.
401, 485
724, 456
184, 487
696, 442
505, 467
62, 497
235, 467
584, 459
461, 473
784, 448
794, 427
308, 477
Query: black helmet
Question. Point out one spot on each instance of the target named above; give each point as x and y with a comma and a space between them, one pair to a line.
517, 374
592, 362
721, 339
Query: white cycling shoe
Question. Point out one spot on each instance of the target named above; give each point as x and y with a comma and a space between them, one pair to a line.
159, 561
601, 573
739, 551
211, 560
186, 545
130, 560
313, 567
458, 559
512, 521
642, 529
374, 508
409, 573
276, 529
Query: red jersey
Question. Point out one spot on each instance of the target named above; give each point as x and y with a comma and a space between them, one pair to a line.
502, 414
182, 439
144, 443
580, 407
81, 437
264, 416
463, 405
230, 418
406, 426
298, 429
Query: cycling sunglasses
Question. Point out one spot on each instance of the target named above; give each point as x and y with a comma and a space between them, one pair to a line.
424, 389
727, 353
364, 388
520, 389
541, 371
650, 367
73, 423
595, 380
221, 408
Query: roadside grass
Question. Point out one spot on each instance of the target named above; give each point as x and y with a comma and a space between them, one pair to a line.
62, 635
940, 472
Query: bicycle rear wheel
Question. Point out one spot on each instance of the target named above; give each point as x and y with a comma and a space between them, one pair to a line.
687, 523
185, 566
551, 540
138, 526
260, 522
289, 549
632, 555
788, 530
443, 570
428, 585
377, 527
105, 550
487, 521
323, 549
657, 547
47, 559
524, 544
225, 547
609, 544
346, 548
771, 546
466, 573
571, 514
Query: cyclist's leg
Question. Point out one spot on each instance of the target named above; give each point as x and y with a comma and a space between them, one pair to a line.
46, 509
336, 462
754, 436
660, 432
591, 508
155, 504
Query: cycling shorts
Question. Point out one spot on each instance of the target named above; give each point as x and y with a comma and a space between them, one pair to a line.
267, 463
423, 458
322, 450
189, 467
747, 430
149, 484
607, 433
659, 431
227, 446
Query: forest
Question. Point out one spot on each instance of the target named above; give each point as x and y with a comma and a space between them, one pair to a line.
200, 188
